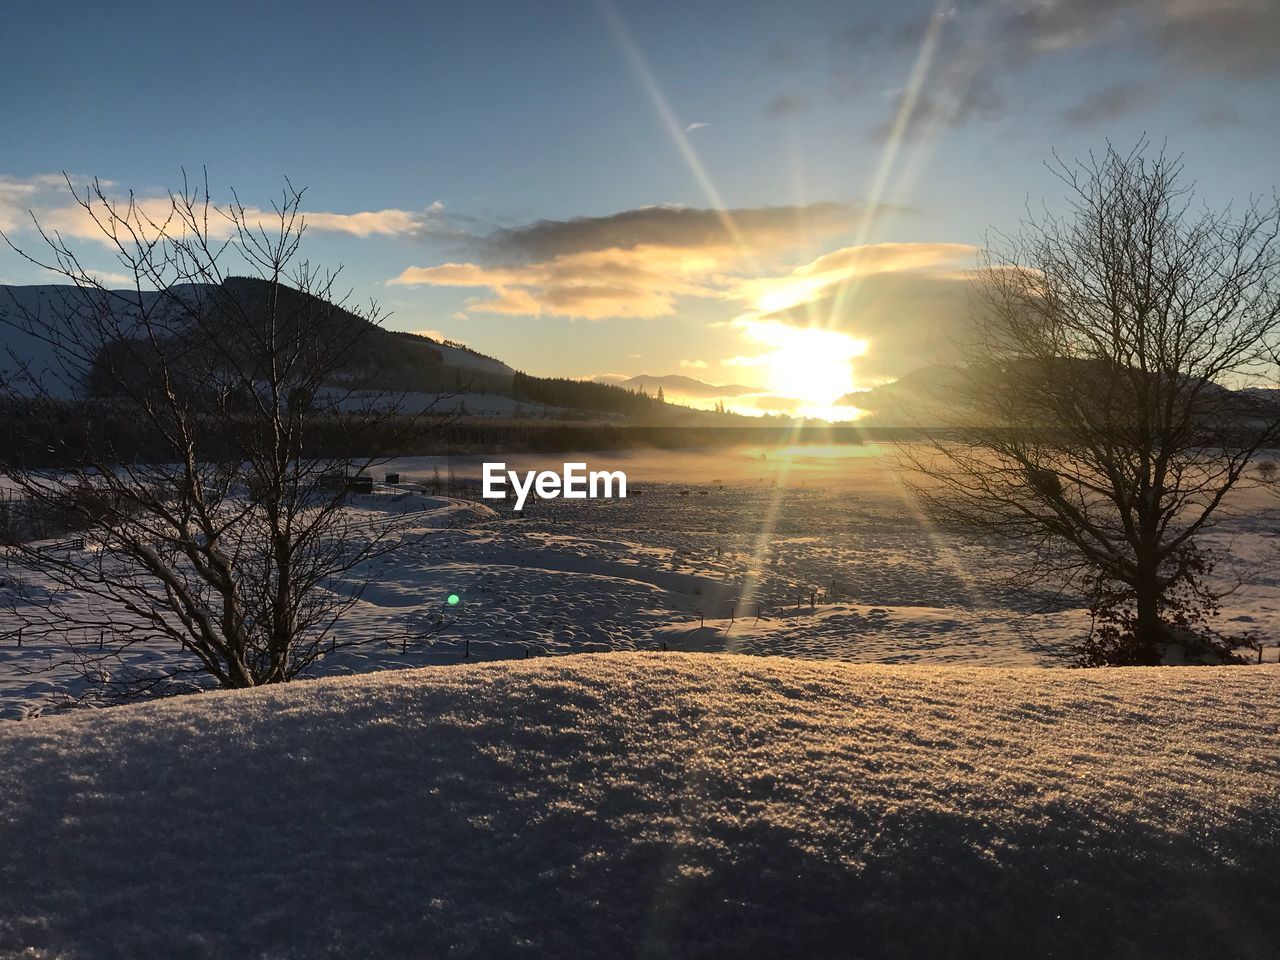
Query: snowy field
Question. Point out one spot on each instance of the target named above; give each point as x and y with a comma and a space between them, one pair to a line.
655, 805
809, 552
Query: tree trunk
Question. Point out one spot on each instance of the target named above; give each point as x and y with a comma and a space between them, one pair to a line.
1149, 630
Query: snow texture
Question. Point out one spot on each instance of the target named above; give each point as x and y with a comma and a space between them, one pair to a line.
655, 805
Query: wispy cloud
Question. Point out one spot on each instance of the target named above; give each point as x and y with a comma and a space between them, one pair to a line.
636, 282
1218, 116
47, 199
982, 51
696, 125
1110, 102
108, 278
812, 281
786, 104
388, 223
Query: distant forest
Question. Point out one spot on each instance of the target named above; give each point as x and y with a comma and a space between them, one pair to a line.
582, 395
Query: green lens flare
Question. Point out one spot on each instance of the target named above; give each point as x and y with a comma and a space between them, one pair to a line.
454, 599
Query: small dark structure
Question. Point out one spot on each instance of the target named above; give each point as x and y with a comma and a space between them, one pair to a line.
332, 481
393, 478
360, 484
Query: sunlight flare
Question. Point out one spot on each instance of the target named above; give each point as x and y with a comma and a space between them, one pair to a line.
813, 365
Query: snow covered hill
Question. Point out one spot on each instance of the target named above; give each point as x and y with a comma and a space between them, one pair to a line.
655, 805
391, 360
456, 355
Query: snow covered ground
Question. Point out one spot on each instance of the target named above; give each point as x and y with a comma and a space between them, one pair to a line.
655, 805
473, 404
813, 552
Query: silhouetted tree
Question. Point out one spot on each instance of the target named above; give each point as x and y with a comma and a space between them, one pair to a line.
229, 538
1095, 430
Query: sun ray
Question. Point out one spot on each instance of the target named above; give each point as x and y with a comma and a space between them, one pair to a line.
887, 166
675, 129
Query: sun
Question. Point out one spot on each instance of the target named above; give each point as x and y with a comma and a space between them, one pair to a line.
809, 364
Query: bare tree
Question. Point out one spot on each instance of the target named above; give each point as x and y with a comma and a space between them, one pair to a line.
200, 429
1097, 429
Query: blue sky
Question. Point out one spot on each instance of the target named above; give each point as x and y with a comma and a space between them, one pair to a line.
459, 128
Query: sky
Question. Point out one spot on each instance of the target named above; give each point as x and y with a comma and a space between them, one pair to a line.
783, 195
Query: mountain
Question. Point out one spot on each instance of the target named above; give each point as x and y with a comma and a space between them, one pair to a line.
940, 394
674, 383
457, 355
384, 360
392, 360
924, 395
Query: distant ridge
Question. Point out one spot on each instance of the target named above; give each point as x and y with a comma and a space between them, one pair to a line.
943, 394
679, 384
389, 359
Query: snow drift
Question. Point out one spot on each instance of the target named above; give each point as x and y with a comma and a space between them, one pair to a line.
655, 805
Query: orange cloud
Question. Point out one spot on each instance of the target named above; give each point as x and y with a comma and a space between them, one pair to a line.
636, 263
642, 281
847, 265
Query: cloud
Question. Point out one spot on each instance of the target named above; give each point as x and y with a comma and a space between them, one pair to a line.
1214, 37
389, 222
1218, 116
109, 279
635, 263
1029, 28
693, 364
19, 194
47, 197
669, 226
640, 281
908, 303
975, 54
1233, 37
960, 59
813, 281
785, 105
1110, 103
907, 319
696, 125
